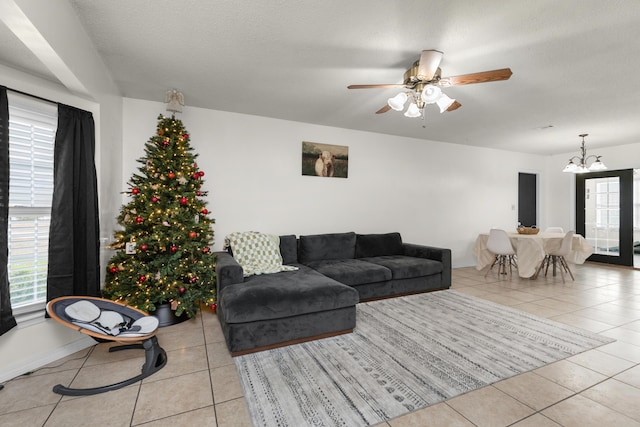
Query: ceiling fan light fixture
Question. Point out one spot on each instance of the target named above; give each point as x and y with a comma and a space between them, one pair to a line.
412, 111
431, 94
398, 101
444, 102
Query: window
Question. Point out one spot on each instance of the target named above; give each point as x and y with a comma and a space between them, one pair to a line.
32, 129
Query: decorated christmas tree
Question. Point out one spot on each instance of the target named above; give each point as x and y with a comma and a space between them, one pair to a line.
162, 252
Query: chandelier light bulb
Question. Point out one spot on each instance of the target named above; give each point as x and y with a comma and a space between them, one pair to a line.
597, 165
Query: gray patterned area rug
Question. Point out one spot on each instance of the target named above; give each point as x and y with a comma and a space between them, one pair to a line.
406, 353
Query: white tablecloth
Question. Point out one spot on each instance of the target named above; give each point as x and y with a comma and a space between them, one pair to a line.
531, 249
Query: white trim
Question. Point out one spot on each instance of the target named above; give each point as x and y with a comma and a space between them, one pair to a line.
47, 358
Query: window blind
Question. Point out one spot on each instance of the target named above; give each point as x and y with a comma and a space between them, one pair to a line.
32, 128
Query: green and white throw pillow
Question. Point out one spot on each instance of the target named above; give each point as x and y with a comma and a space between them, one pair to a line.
257, 253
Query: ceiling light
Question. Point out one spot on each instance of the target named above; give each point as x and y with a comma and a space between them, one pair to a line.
431, 94
580, 164
444, 102
413, 111
398, 101
419, 97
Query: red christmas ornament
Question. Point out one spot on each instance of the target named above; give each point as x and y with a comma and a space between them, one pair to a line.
204, 211
165, 142
205, 250
144, 247
213, 306
135, 191
113, 270
173, 248
139, 219
142, 278
199, 193
195, 176
201, 173
192, 234
185, 135
194, 279
154, 199
171, 175
184, 201
182, 290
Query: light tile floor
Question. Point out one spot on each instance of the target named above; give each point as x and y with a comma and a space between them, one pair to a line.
199, 385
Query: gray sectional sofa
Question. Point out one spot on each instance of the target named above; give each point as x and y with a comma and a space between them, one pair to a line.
335, 272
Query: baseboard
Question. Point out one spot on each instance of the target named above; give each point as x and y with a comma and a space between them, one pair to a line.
45, 359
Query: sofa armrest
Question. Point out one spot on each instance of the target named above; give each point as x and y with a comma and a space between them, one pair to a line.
228, 271
430, 252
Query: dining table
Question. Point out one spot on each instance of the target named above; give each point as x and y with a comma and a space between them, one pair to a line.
531, 249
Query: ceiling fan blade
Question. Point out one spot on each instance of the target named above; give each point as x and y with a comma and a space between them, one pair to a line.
429, 62
383, 109
383, 86
454, 106
482, 77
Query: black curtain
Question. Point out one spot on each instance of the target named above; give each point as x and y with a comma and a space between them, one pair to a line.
7, 321
74, 263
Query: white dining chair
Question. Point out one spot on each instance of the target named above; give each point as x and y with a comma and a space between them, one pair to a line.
554, 230
557, 257
500, 245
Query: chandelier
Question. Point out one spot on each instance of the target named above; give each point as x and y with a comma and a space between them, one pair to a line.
422, 95
578, 164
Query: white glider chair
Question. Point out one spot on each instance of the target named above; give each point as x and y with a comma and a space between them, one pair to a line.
500, 245
554, 230
557, 257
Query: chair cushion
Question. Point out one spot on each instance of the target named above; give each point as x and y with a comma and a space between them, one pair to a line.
405, 267
351, 272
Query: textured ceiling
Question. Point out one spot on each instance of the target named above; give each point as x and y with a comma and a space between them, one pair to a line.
574, 63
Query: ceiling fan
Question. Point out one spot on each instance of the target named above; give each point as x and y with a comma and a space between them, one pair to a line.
423, 83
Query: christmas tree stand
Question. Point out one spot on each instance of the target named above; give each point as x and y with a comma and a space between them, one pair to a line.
166, 316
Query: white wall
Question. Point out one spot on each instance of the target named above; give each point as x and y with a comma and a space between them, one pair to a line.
433, 193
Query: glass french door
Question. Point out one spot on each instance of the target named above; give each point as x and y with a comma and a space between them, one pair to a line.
604, 214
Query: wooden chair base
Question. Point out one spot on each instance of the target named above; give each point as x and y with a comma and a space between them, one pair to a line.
503, 261
555, 261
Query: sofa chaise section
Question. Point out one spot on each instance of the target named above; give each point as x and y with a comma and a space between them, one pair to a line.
268, 310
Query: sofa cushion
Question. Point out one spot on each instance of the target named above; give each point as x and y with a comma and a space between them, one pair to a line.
405, 267
327, 246
289, 249
370, 245
284, 294
351, 271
